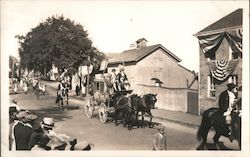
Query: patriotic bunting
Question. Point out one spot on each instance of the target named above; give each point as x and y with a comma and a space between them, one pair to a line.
234, 38
209, 44
221, 69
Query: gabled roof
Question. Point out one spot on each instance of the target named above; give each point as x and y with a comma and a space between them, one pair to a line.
135, 55
232, 20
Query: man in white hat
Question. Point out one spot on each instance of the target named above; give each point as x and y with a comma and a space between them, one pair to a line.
55, 139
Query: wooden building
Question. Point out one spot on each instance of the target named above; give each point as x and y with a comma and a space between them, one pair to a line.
220, 58
144, 63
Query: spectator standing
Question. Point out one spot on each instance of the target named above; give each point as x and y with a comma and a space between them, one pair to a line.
160, 139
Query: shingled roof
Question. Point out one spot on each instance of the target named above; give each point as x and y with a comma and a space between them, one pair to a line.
232, 20
135, 55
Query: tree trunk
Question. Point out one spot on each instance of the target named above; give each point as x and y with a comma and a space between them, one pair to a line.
44, 73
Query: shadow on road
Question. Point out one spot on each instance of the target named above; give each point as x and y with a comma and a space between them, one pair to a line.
54, 112
219, 146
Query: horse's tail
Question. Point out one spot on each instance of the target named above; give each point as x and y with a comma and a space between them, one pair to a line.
205, 125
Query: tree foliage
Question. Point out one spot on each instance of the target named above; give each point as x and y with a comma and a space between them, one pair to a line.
57, 41
13, 66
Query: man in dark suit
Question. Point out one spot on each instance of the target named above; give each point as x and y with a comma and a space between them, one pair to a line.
226, 103
22, 131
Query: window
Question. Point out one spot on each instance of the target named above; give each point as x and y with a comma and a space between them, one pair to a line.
210, 86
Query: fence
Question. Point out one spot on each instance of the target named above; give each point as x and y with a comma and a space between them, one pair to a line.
174, 99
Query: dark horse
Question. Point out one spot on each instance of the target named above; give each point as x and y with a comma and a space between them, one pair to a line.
123, 107
144, 105
212, 119
62, 95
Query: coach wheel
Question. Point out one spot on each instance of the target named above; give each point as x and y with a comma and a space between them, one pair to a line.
89, 107
103, 114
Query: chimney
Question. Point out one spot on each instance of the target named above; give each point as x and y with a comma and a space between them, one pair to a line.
142, 42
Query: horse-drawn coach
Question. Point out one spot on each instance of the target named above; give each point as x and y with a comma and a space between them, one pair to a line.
101, 99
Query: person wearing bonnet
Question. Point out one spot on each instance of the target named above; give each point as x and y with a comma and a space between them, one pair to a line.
227, 101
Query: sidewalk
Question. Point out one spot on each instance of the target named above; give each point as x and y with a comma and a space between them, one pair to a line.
188, 120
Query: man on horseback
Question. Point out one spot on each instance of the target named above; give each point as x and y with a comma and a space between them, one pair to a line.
227, 101
61, 86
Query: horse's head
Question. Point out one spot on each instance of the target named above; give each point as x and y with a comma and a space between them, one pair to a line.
153, 100
150, 100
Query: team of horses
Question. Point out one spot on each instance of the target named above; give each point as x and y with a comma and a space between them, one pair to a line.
132, 107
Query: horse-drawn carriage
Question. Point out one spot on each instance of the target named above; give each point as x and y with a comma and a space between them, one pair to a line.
102, 100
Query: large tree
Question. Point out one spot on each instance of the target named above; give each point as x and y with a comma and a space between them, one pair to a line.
57, 41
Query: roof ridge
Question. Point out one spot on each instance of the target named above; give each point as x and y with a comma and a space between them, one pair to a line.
223, 21
139, 48
152, 47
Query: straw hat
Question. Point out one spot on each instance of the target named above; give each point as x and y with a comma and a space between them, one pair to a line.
21, 114
48, 122
31, 117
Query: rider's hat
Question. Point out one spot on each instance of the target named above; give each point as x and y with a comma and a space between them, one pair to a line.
48, 122
231, 86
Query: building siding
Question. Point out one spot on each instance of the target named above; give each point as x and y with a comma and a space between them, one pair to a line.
173, 94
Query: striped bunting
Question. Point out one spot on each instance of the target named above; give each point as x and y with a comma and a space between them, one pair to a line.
209, 44
221, 69
236, 38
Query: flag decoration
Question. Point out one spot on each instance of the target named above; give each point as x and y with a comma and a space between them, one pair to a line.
234, 38
209, 44
104, 64
221, 69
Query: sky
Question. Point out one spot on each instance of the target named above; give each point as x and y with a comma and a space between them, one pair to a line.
114, 25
